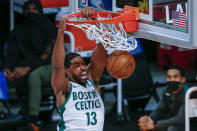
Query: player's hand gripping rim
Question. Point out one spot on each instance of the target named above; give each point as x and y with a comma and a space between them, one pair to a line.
62, 24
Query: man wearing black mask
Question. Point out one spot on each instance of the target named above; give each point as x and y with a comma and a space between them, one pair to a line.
29, 44
29, 47
170, 113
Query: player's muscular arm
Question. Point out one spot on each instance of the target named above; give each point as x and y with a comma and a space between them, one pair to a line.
97, 63
59, 81
98, 59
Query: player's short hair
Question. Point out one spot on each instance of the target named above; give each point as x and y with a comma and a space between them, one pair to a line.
177, 68
68, 59
37, 4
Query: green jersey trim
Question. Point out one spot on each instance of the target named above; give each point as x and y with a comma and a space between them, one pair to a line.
61, 123
62, 107
91, 82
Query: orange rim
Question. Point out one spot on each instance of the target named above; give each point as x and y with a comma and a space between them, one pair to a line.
113, 17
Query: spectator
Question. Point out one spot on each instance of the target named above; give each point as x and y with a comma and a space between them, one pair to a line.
170, 113
36, 80
29, 46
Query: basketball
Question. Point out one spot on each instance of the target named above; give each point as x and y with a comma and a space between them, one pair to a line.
120, 64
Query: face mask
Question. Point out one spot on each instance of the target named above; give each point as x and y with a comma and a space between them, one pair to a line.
172, 86
31, 16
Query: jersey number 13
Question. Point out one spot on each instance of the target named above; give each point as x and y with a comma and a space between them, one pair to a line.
91, 118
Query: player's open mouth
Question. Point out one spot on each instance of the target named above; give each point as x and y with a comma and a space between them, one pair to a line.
83, 75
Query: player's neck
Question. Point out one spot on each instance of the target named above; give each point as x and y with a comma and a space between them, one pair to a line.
78, 82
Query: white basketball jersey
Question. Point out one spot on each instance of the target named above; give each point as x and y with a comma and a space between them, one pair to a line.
83, 109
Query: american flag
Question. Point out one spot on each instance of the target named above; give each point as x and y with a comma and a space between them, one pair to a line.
84, 2
179, 19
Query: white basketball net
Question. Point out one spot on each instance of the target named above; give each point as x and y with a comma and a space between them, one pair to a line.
108, 34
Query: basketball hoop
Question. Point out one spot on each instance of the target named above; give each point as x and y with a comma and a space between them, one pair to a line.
109, 28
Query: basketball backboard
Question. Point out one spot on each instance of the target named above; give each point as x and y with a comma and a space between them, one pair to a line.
167, 21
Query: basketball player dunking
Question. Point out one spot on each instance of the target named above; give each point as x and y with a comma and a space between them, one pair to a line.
76, 85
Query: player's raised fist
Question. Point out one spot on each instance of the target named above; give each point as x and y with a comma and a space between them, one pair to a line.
62, 24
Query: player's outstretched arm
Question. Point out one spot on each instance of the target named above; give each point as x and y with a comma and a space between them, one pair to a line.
59, 81
98, 58
97, 63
